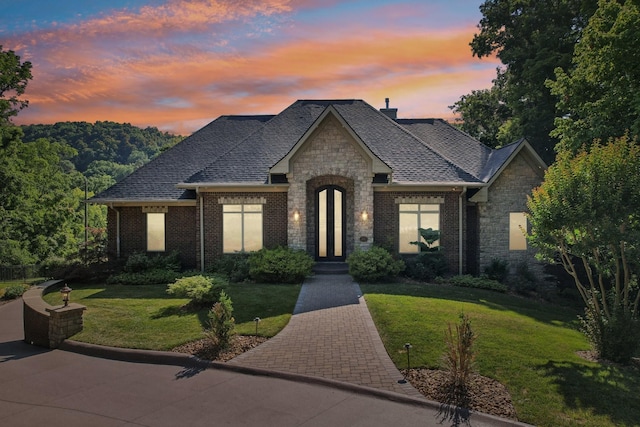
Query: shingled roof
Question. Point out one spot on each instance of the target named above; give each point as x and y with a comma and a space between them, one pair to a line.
240, 150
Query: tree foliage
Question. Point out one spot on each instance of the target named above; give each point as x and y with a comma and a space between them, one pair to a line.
586, 213
37, 208
531, 38
119, 143
14, 76
599, 95
41, 188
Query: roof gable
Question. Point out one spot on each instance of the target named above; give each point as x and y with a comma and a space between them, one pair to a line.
283, 166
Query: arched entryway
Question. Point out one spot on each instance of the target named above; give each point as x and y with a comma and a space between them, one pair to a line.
330, 223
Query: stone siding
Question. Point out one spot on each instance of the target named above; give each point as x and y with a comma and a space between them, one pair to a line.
330, 157
507, 194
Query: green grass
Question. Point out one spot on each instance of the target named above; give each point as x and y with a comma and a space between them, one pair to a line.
528, 346
147, 317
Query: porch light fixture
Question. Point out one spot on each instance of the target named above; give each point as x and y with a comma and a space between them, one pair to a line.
296, 216
65, 291
365, 215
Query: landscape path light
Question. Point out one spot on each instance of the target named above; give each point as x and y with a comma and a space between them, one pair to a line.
257, 320
407, 346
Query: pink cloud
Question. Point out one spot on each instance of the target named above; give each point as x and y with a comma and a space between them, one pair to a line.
130, 67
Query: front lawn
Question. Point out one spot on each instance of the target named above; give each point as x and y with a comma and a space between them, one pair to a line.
146, 317
528, 346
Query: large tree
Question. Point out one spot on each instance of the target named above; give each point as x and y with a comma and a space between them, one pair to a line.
586, 213
14, 76
531, 38
599, 96
37, 206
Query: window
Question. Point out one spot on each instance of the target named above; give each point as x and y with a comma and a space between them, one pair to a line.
517, 231
155, 232
413, 217
241, 228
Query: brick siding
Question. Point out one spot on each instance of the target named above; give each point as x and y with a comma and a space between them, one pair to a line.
274, 222
180, 232
386, 220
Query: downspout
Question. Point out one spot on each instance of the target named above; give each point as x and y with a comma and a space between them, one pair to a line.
460, 229
201, 231
117, 230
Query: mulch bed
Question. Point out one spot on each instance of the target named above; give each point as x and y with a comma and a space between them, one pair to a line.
204, 350
483, 394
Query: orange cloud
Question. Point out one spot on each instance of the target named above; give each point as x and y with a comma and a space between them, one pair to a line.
99, 70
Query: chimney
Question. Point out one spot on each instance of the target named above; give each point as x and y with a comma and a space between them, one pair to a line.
392, 113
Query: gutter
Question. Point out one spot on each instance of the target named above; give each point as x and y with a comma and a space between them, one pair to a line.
110, 206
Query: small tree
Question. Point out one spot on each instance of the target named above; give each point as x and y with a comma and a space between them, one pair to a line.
586, 212
221, 322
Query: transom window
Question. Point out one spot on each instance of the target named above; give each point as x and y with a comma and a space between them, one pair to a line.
241, 228
412, 218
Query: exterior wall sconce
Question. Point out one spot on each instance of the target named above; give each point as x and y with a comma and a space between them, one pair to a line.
364, 215
296, 216
65, 291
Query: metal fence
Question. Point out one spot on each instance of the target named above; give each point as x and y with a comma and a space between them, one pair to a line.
18, 272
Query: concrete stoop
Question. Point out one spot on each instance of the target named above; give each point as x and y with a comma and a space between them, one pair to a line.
331, 268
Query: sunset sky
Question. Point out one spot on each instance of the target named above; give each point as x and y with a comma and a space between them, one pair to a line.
178, 64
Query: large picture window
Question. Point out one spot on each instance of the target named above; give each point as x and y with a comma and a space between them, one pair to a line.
413, 217
241, 228
155, 232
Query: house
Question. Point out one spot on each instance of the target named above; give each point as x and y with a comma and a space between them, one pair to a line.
328, 177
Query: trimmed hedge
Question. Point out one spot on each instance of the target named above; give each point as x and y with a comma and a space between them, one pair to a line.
373, 265
280, 265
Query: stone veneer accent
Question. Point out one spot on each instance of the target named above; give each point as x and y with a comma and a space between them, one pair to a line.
330, 156
45, 325
506, 195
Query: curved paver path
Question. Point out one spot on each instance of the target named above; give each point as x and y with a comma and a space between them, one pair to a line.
330, 335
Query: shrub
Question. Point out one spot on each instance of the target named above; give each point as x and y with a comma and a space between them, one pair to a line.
426, 266
279, 265
459, 356
139, 262
616, 338
199, 289
497, 270
221, 323
234, 266
373, 265
523, 281
14, 291
468, 281
148, 277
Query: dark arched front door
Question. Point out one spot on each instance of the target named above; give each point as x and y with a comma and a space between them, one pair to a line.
330, 223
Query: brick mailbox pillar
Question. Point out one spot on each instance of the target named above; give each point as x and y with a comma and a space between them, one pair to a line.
64, 321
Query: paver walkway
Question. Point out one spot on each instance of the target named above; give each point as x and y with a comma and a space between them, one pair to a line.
330, 335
